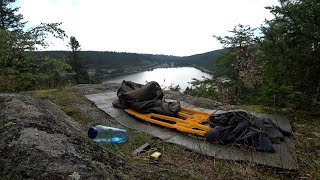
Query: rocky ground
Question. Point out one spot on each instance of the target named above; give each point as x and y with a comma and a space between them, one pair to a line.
43, 136
40, 141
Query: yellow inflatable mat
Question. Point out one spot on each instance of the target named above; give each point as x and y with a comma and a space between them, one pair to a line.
188, 120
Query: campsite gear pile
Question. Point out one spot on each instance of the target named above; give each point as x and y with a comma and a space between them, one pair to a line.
242, 128
147, 103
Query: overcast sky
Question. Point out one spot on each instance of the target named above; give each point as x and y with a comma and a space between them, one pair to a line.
172, 27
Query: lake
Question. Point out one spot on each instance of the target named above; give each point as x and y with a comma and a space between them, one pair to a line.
164, 76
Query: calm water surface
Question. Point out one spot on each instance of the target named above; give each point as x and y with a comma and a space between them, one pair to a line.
165, 76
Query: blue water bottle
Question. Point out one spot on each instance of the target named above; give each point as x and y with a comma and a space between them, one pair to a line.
107, 134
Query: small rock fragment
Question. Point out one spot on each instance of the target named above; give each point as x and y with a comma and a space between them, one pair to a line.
75, 176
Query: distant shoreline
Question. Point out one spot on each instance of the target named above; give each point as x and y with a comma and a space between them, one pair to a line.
142, 69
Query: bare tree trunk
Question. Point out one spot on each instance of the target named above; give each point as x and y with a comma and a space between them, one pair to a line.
316, 95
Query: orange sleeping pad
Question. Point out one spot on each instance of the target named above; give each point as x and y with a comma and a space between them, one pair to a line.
188, 120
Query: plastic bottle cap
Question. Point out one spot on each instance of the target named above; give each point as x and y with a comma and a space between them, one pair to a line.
92, 133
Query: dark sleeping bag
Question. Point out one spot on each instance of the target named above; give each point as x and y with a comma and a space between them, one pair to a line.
244, 129
144, 99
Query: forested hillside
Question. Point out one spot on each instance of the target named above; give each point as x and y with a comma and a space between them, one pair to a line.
115, 60
206, 60
105, 60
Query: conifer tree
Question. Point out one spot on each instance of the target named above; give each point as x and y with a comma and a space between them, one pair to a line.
9, 19
75, 61
81, 75
291, 47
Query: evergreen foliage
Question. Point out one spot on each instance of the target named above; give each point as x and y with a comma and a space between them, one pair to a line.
291, 48
9, 20
74, 60
239, 68
104, 60
18, 69
280, 69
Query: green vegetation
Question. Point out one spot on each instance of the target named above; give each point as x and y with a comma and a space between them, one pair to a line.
291, 46
75, 61
279, 69
19, 70
81, 75
65, 98
276, 73
109, 63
